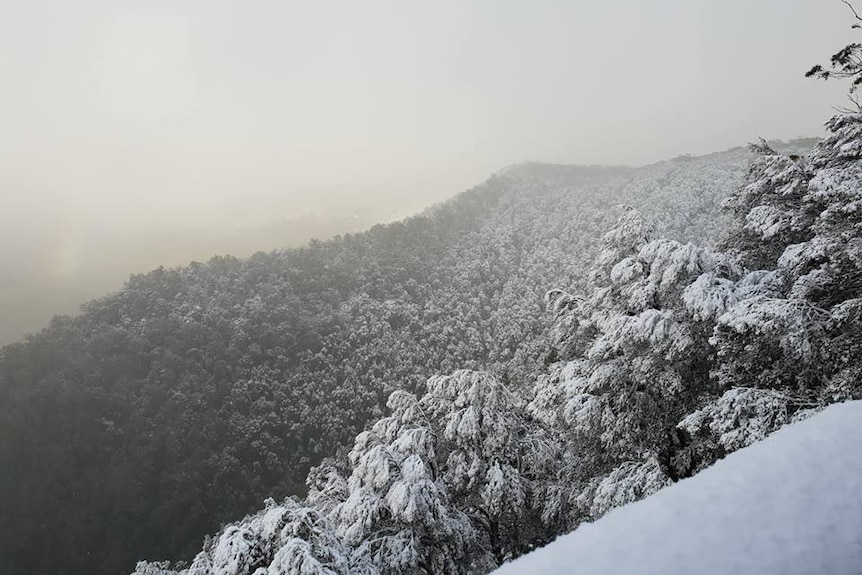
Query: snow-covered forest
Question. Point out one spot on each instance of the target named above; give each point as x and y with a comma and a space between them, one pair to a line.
190, 396
446, 393
670, 357
789, 505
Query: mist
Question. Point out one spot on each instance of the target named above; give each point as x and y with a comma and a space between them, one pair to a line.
137, 134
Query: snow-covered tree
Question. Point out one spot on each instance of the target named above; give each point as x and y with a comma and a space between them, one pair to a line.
282, 539
766, 208
794, 327
846, 63
154, 568
638, 340
740, 417
628, 482
206, 388
397, 513
637, 356
666, 328
671, 355
495, 456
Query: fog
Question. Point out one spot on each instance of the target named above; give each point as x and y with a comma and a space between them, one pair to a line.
134, 134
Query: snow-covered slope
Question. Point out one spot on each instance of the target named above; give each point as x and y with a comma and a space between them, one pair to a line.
789, 505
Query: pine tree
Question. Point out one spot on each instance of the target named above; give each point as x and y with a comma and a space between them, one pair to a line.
846, 63
495, 455
282, 539
397, 514
796, 316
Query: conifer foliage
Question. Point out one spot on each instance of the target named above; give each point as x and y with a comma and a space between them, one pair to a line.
846, 63
672, 356
179, 403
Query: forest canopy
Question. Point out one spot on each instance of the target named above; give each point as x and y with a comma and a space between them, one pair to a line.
445, 393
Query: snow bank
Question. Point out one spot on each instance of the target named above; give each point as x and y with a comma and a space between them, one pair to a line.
789, 505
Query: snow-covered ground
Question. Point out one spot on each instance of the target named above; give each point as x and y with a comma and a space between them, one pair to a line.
789, 505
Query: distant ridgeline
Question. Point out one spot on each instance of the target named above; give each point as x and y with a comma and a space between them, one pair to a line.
190, 396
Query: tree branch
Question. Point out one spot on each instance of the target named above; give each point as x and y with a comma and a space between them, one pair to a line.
849, 5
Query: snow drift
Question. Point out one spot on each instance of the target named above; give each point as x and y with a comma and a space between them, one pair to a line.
790, 505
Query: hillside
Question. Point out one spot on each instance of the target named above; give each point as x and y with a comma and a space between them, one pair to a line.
789, 505
193, 393
53, 280
671, 357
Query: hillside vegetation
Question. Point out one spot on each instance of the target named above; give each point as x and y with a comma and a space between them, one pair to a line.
192, 394
798, 514
672, 356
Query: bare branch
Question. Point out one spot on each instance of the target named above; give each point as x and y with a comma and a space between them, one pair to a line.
856, 14
856, 108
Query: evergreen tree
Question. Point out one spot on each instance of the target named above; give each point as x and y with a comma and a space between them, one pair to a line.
494, 456
846, 63
397, 514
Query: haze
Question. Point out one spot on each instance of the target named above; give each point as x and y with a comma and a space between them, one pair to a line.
134, 134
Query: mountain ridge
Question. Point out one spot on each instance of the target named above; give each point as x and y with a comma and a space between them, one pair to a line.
195, 391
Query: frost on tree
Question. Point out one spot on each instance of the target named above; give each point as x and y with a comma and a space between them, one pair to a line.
282, 539
670, 356
666, 328
327, 487
740, 417
638, 333
627, 483
770, 342
154, 568
789, 331
494, 455
766, 208
397, 514
797, 331
638, 350
667, 332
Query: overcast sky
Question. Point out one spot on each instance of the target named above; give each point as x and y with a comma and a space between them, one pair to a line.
133, 124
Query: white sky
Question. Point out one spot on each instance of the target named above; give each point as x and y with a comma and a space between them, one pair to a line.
124, 123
